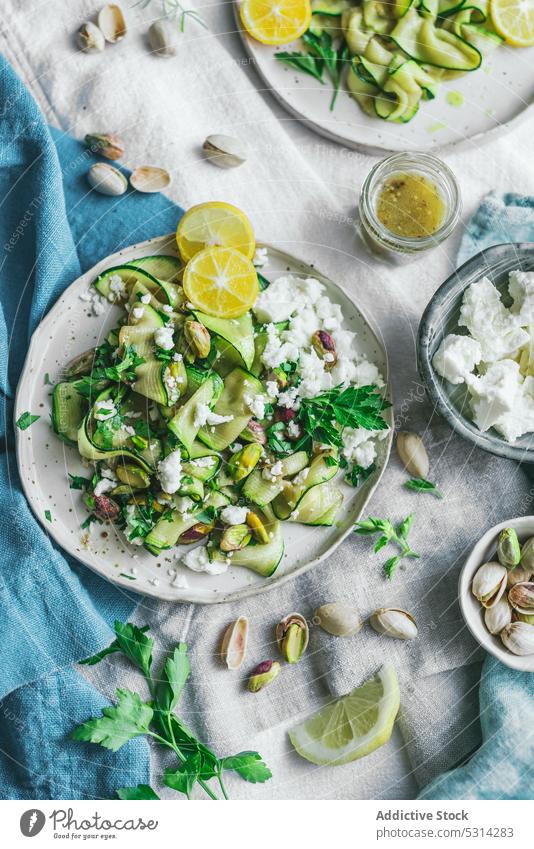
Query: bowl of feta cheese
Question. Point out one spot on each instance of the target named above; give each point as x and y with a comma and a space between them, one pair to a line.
476, 350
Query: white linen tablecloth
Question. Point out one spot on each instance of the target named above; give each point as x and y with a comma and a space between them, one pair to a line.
300, 192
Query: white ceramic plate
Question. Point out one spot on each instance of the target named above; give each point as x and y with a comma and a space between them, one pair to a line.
44, 461
497, 95
472, 610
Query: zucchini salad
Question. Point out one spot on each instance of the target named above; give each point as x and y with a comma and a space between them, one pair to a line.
391, 55
221, 405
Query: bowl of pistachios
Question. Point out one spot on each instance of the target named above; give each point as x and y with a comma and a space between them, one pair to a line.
496, 592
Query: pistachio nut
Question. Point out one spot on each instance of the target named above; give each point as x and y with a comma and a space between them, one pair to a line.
235, 537
263, 674
105, 508
195, 532
234, 644
497, 617
518, 576
521, 597
522, 617
292, 636
148, 179
111, 22
224, 151
257, 527
254, 432
81, 365
90, 38
133, 475
527, 555
394, 622
518, 637
508, 548
105, 144
197, 338
340, 620
241, 464
325, 348
162, 38
106, 179
489, 583
413, 454
279, 376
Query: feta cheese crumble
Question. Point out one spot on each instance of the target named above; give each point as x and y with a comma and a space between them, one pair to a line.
170, 472
103, 486
138, 312
163, 337
145, 299
205, 416
104, 410
256, 405
198, 561
456, 357
233, 515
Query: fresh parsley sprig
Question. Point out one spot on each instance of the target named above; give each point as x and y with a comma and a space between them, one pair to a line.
325, 416
132, 717
321, 56
389, 533
422, 485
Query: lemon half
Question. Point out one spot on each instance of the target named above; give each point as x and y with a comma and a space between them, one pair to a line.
276, 21
221, 282
514, 20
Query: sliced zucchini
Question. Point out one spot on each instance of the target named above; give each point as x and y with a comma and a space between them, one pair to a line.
183, 423
217, 499
130, 275
132, 475
237, 332
165, 268
237, 386
149, 381
261, 491
68, 411
141, 334
294, 463
166, 532
91, 452
420, 39
201, 469
192, 488
323, 468
318, 506
356, 33
262, 559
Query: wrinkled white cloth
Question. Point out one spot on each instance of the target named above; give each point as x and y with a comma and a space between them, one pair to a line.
300, 193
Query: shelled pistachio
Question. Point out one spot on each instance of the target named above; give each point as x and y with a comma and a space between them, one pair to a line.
292, 636
263, 675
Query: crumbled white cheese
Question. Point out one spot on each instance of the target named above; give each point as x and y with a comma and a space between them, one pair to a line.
172, 385
177, 358
293, 429
237, 446
494, 393
256, 405
456, 357
170, 472
167, 308
146, 298
233, 515
108, 473
129, 430
272, 388
260, 259
520, 419
163, 337
272, 473
521, 289
198, 561
183, 503
180, 582
203, 416
277, 351
117, 288
301, 477
202, 462
138, 312
104, 410
358, 446
103, 486
289, 398
490, 323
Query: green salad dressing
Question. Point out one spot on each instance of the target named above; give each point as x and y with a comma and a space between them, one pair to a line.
410, 205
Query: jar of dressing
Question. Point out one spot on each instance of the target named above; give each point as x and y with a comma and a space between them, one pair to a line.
409, 203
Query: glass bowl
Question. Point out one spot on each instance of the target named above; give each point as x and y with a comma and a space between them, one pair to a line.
441, 317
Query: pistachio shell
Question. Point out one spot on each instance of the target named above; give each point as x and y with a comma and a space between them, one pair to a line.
112, 23
413, 454
109, 145
107, 180
518, 637
498, 616
292, 636
508, 548
148, 179
340, 620
394, 622
521, 597
527, 555
489, 583
518, 576
234, 644
224, 151
162, 38
90, 38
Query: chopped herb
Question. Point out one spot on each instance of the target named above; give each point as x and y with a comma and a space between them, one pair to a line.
47, 381
90, 519
422, 485
25, 420
132, 717
129, 577
333, 59
78, 482
140, 442
389, 533
356, 475
48, 515
263, 283
326, 415
305, 62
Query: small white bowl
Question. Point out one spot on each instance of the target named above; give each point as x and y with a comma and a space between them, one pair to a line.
472, 610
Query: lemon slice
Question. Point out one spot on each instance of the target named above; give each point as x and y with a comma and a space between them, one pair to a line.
214, 224
221, 282
276, 21
514, 20
353, 726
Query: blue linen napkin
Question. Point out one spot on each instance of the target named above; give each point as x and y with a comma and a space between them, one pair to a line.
53, 612
503, 766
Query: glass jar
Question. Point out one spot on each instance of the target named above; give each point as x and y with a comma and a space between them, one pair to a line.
388, 245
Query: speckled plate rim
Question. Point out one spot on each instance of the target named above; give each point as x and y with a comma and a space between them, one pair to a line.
459, 145
185, 595
472, 610
443, 298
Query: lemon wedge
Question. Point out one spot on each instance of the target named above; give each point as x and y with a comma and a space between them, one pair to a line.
214, 224
353, 726
276, 21
221, 282
514, 20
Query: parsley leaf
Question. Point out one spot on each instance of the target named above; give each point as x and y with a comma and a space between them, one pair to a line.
142, 791
326, 415
183, 779
111, 649
389, 533
78, 482
422, 485
25, 420
333, 59
175, 674
48, 515
134, 643
129, 718
263, 283
305, 62
249, 765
